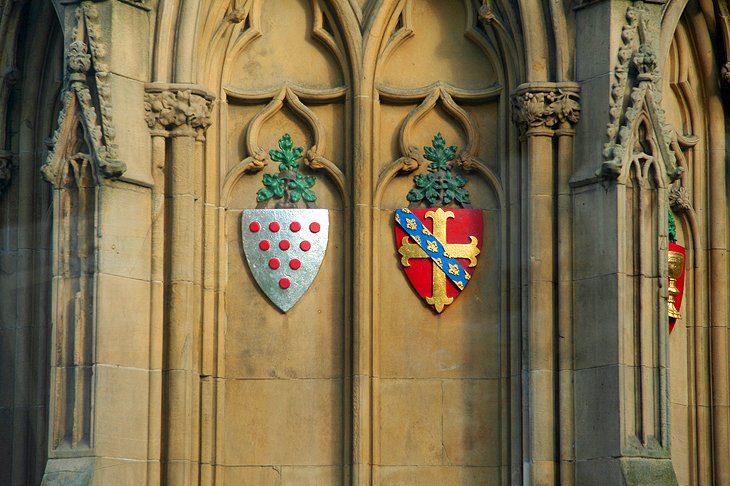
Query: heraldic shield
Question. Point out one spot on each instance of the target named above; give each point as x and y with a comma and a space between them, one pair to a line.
285, 245
439, 245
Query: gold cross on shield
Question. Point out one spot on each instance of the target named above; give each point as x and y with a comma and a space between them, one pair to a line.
466, 250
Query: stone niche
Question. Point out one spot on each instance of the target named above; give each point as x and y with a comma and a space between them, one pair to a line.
440, 388
284, 393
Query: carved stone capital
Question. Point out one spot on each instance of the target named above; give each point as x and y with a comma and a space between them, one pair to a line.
544, 108
178, 110
6, 169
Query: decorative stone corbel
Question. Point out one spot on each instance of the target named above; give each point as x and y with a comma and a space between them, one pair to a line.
545, 108
178, 110
86, 103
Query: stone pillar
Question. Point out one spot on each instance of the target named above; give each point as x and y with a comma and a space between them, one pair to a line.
181, 113
620, 210
100, 378
545, 113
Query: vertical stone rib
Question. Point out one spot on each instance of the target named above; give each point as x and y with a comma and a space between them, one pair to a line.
157, 296
540, 109
540, 310
178, 378
182, 113
565, 305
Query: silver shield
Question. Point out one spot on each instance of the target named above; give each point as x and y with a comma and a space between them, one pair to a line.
284, 249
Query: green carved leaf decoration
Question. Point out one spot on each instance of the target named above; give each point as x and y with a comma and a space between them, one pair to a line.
439, 155
286, 156
264, 194
273, 186
672, 228
415, 195
288, 185
299, 188
440, 185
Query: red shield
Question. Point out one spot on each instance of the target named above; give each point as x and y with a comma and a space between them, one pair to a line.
433, 268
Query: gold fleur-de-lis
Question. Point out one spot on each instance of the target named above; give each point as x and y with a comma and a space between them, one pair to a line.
417, 239
438, 262
432, 246
411, 224
467, 275
459, 284
453, 269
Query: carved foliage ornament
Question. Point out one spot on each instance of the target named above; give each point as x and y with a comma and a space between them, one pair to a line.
634, 91
86, 101
181, 110
545, 108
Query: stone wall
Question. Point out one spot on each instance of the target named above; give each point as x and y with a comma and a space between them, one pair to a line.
136, 346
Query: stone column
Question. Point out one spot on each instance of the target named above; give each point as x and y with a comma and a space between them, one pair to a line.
181, 113
540, 109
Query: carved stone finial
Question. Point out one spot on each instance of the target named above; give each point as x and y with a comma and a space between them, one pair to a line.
79, 59
645, 61
177, 110
536, 108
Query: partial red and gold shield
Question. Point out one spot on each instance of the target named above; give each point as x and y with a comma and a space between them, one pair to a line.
438, 250
675, 292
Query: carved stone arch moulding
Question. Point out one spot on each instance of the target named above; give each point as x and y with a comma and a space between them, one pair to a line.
401, 26
635, 90
246, 14
86, 104
289, 96
446, 96
644, 157
495, 17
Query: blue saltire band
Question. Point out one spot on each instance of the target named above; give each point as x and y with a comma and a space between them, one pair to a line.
432, 247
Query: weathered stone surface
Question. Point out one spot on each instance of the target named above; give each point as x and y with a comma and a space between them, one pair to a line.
120, 407
282, 422
410, 427
136, 348
122, 335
